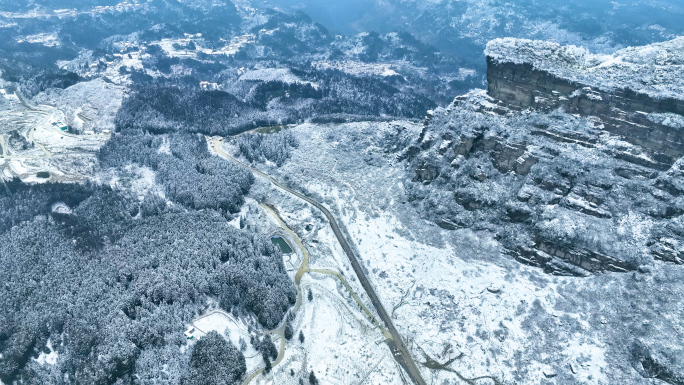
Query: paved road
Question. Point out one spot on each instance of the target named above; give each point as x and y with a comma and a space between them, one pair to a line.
303, 269
397, 346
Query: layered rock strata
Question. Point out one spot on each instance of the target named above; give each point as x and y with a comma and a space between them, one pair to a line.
633, 111
572, 177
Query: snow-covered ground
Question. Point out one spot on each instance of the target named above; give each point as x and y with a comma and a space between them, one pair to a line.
90, 105
188, 47
130, 53
233, 329
357, 68
173, 47
32, 140
341, 344
48, 358
46, 39
453, 295
274, 74
87, 65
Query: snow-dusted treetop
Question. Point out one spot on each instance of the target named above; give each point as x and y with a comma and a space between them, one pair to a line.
656, 70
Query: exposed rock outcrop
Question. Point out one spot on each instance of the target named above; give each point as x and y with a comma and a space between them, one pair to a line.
632, 110
18, 142
427, 173
572, 177
650, 363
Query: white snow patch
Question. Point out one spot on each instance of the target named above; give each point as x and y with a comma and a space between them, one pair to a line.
143, 181
357, 68
46, 39
171, 46
237, 43
274, 74
17, 167
48, 358
667, 119
231, 328
587, 360
61, 208
165, 147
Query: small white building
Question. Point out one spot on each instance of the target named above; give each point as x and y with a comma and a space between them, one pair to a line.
190, 333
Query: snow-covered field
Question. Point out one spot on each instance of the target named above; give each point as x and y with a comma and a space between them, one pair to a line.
233, 329
46, 39
130, 54
274, 74
171, 46
339, 346
90, 105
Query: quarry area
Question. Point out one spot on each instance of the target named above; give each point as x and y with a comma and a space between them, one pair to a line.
55, 136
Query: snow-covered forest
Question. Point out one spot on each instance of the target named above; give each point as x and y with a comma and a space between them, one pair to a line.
155, 152
111, 277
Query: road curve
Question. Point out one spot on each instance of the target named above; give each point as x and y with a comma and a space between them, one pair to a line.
397, 346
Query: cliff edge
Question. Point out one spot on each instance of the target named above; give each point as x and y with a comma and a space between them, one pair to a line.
636, 93
655, 70
572, 164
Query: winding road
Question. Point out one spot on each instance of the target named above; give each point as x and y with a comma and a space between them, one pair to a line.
303, 269
396, 344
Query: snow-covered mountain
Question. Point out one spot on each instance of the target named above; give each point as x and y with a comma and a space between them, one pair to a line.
559, 129
463, 27
572, 162
189, 184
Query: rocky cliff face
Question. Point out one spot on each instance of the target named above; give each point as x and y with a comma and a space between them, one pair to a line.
623, 112
570, 177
